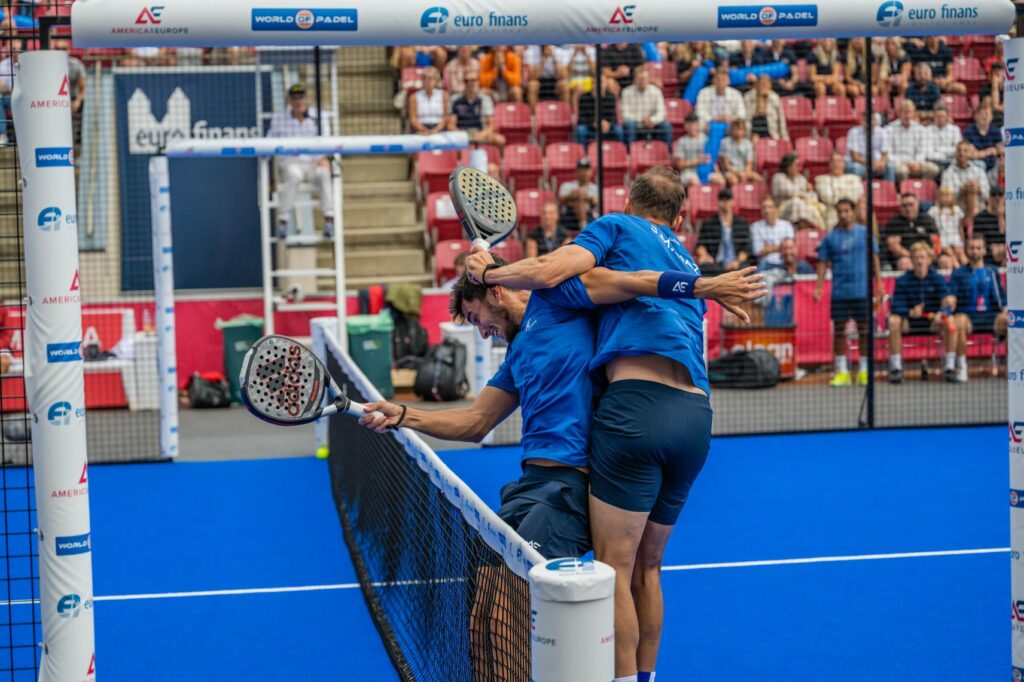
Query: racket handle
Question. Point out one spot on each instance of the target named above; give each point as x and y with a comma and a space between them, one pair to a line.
482, 243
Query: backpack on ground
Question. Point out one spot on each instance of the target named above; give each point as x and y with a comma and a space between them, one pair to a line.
208, 389
409, 344
744, 369
442, 376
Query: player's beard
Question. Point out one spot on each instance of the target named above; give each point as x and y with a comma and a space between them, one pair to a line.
510, 328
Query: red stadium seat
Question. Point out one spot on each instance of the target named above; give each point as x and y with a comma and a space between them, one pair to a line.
615, 159
703, 202
676, 111
529, 202
959, 108
885, 200
800, 116
411, 75
807, 242
444, 257
513, 120
554, 122
665, 73
689, 240
814, 152
434, 167
880, 106
493, 155
442, 222
524, 166
562, 159
983, 47
510, 249
967, 70
924, 190
769, 152
644, 154
748, 197
836, 116
615, 199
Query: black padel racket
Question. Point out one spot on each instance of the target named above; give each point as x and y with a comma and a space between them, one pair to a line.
283, 383
485, 207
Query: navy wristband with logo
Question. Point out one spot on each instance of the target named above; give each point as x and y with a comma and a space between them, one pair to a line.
676, 284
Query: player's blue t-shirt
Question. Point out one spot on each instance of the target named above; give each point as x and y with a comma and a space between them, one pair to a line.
646, 326
977, 291
548, 366
846, 249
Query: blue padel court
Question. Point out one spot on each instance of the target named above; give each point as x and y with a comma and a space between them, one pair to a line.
848, 556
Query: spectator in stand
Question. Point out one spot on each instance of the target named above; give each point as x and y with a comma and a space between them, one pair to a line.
990, 94
689, 57
764, 111
619, 61
967, 180
8, 70
501, 74
938, 55
908, 143
845, 250
780, 52
856, 148
580, 72
456, 70
643, 110
583, 187
991, 224
719, 101
923, 91
576, 215
428, 106
976, 293
798, 202
768, 233
985, 139
949, 218
789, 263
855, 67
549, 235
690, 152
736, 155
459, 267
549, 75
723, 244
907, 227
148, 56
473, 111
943, 136
916, 308
894, 74
826, 69
299, 120
747, 57
585, 115
835, 185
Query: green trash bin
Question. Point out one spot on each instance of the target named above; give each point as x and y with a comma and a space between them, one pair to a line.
369, 345
240, 333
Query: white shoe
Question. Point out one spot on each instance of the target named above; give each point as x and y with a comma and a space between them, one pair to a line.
961, 374
3, 138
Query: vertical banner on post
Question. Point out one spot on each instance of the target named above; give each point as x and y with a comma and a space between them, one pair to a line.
1013, 137
163, 285
53, 366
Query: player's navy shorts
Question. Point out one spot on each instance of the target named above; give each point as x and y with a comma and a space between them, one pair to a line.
982, 323
648, 443
844, 309
548, 507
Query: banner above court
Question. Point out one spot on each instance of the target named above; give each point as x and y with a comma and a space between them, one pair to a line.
177, 23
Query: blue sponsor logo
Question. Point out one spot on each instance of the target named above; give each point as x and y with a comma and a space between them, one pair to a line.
437, 20
892, 13
70, 545
51, 218
60, 413
50, 157
889, 14
1015, 319
1010, 68
1016, 498
571, 565
434, 20
64, 352
305, 20
1013, 137
767, 16
70, 605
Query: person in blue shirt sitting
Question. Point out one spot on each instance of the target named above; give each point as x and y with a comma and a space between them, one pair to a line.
916, 309
977, 295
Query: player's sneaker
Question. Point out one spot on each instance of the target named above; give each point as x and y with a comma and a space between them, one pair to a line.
841, 379
895, 376
961, 375
862, 377
950, 375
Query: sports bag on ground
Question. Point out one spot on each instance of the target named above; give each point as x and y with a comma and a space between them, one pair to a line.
744, 369
442, 376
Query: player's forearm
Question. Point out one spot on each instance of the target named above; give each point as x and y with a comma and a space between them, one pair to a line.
605, 286
456, 424
543, 272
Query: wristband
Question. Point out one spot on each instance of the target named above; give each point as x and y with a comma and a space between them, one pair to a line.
676, 284
401, 418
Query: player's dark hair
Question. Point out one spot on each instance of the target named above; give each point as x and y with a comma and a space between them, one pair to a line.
465, 290
658, 194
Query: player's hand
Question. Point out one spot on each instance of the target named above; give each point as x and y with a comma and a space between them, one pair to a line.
379, 415
478, 260
732, 290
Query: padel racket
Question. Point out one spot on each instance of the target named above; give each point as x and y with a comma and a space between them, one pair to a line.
485, 207
283, 383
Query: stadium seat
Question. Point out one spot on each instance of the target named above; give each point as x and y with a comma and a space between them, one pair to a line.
665, 73
554, 122
814, 152
493, 155
615, 159
836, 116
444, 257
925, 190
800, 117
676, 111
959, 108
513, 120
529, 201
703, 202
615, 199
983, 47
442, 222
524, 166
561, 159
880, 105
644, 154
967, 70
411, 75
885, 200
689, 240
769, 152
434, 167
510, 249
807, 242
748, 197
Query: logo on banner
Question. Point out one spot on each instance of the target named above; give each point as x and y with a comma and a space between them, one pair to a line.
1010, 68
70, 605
81, 491
767, 16
64, 352
891, 13
622, 20
150, 15
92, 666
1015, 319
51, 218
60, 413
147, 135
1013, 137
437, 20
1017, 615
305, 20
71, 297
622, 15
55, 157
73, 544
150, 21
62, 100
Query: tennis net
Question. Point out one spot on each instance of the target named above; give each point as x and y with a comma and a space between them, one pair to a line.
443, 576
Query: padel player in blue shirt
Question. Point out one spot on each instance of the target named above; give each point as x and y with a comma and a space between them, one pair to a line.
652, 429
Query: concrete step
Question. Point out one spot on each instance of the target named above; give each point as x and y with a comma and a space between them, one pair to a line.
368, 55
9, 177
380, 262
10, 225
389, 236
376, 168
380, 123
379, 213
12, 248
355, 189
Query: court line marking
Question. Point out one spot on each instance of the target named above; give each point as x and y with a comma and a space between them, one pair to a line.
401, 583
